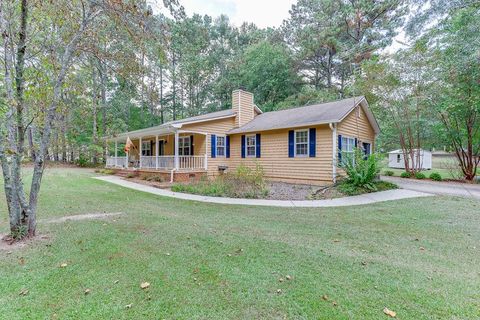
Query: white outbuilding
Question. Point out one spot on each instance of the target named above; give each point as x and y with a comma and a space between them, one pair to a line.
395, 159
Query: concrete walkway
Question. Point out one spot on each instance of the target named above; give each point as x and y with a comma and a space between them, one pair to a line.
339, 202
441, 188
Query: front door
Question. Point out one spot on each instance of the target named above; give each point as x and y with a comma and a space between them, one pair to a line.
161, 147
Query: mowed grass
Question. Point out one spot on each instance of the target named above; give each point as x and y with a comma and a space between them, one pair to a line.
209, 261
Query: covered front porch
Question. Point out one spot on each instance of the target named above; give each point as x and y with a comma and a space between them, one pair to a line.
164, 149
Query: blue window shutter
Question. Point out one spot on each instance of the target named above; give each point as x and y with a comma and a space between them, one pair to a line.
191, 146
227, 146
214, 146
258, 145
291, 144
243, 146
339, 148
312, 132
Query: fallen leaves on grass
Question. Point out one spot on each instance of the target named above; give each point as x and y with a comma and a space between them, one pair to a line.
144, 285
389, 312
23, 292
63, 265
288, 277
87, 291
325, 297
128, 306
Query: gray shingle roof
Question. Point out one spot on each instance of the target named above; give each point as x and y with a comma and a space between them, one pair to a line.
207, 116
168, 125
303, 116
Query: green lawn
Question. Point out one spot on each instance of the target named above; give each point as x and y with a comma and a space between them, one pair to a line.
209, 261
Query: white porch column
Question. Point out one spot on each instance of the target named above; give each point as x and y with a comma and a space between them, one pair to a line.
176, 158
140, 150
156, 152
206, 151
116, 153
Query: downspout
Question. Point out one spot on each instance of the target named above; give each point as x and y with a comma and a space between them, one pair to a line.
171, 174
333, 127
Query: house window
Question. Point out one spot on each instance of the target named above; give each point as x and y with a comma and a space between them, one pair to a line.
399, 157
146, 149
184, 148
301, 143
251, 145
367, 149
348, 149
220, 146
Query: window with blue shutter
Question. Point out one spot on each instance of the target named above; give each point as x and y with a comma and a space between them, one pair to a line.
243, 146
339, 149
214, 145
291, 144
312, 132
227, 146
257, 145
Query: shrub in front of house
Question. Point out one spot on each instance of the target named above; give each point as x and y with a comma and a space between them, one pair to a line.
244, 182
389, 173
130, 175
405, 174
420, 175
351, 190
361, 171
436, 176
155, 178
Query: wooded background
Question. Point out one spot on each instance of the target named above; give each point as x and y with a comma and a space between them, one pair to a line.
136, 70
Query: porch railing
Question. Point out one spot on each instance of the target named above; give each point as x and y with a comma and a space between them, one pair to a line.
191, 162
163, 162
116, 162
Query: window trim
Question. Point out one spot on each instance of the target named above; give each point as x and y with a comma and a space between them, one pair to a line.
224, 146
181, 145
254, 146
295, 143
145, 149
345, 152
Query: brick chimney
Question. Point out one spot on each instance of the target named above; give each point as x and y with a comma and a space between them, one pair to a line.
242, 104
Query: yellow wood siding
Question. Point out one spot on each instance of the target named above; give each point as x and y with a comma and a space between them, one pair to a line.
276, 163
356, 126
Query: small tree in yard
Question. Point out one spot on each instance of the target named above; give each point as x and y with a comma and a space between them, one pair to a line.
458, 99
46, 36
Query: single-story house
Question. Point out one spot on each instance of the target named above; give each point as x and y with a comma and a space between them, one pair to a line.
396, 159
299, 145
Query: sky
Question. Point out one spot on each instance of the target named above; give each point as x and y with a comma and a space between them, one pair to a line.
264, 13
